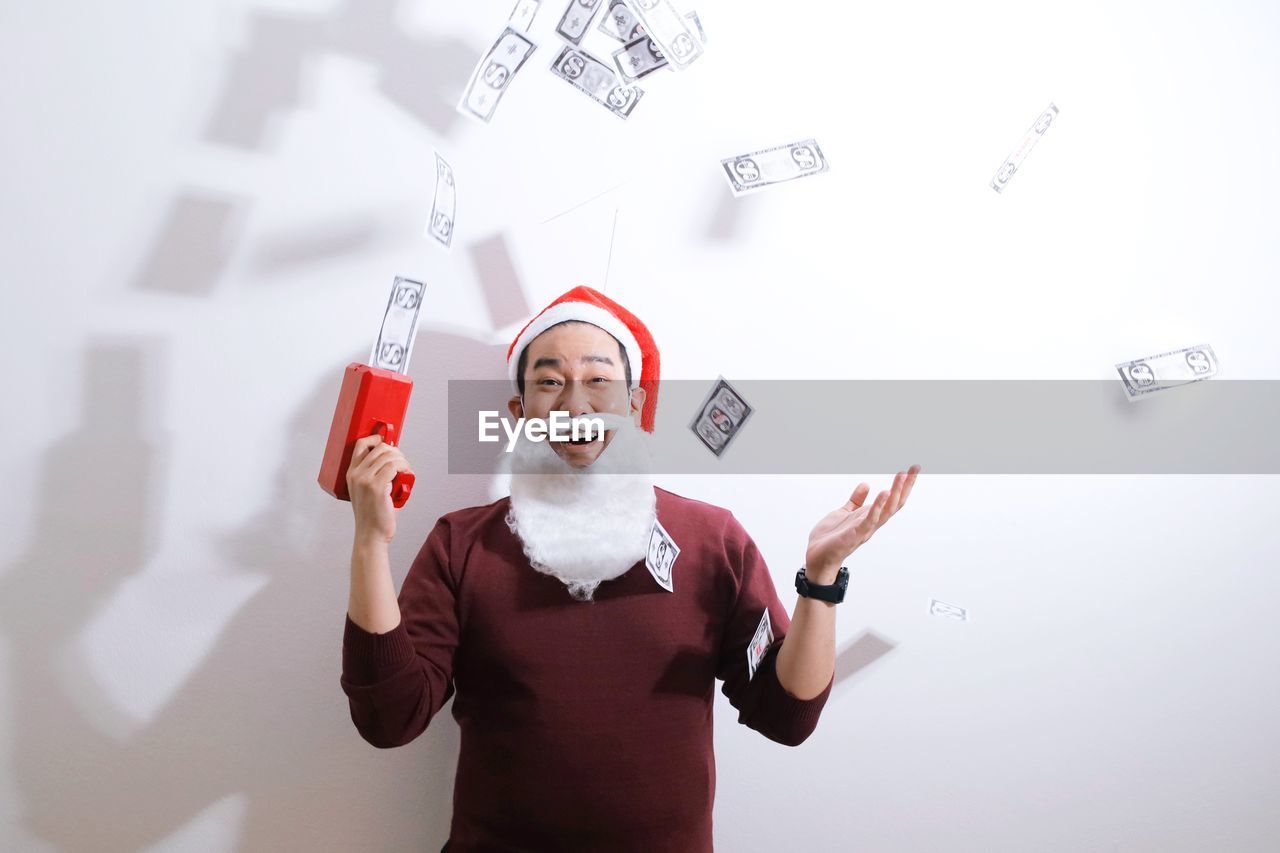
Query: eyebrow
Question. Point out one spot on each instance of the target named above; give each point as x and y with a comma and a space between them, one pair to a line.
548, 361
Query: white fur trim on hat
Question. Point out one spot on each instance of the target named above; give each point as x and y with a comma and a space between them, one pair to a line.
590, 313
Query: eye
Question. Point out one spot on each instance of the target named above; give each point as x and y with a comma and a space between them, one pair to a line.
540, 381
600, 379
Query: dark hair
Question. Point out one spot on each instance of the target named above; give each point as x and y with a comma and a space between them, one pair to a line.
524, 354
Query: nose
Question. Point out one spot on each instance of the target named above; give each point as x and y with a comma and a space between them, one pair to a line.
574, 399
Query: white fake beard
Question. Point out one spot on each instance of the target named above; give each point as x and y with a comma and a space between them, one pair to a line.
587, 525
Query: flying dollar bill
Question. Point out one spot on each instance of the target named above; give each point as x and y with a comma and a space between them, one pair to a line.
597, 80
669, 30
748, 172
523, 14
493, 74
1167, 370
576, 20
1029, 140
619, 22
399, 326
720, 417
697, 25
637, 58
443, 206
951, 611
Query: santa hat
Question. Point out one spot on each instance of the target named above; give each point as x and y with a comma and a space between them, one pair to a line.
591, 306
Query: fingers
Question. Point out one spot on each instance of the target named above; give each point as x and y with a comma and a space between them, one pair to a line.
369, 467
877, 510
911, 481
895, 494
859, 495
388, 470
375, 457
363, 446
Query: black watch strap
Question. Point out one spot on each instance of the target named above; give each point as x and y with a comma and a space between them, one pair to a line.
833, 592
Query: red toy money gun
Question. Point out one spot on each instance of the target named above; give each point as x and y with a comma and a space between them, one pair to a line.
372, 400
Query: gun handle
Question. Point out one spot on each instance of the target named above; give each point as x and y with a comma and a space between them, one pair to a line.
402, 484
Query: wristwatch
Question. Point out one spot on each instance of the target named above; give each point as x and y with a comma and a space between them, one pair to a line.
833, 593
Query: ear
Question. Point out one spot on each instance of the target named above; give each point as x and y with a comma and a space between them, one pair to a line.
637, 403
516, 407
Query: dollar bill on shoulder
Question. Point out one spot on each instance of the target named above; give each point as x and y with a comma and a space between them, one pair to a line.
748, 172
399, 326
494, 73
669, 29
619, 22
577, 19
1145, 376
523, 14
1012, 163
638, 58
597, 80
443, 206
720, 417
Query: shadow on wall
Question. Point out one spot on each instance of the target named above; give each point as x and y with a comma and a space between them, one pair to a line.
423, 74
262, 716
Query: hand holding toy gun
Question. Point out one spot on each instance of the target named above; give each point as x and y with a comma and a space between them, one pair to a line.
361, 458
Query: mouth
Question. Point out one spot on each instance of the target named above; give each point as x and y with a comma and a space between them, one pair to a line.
582, 442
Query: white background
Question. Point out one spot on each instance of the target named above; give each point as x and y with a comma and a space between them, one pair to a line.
204, 205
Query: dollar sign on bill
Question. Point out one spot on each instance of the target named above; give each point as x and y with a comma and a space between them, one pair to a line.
720, 418
493, 74
399, 326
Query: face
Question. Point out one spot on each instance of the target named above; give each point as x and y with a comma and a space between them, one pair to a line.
576, 368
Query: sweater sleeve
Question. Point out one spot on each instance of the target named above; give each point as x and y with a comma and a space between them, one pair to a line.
761, 700
396, 682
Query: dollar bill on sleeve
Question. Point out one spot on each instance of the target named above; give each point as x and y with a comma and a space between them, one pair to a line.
597, 80
748, 172
1145, 376
494, 73
1012, 163
760, 644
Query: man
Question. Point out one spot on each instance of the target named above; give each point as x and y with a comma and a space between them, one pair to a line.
585, 677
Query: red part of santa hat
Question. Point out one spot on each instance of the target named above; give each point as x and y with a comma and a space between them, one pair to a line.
591, 306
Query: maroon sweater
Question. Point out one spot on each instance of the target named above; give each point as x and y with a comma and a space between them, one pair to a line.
584, 725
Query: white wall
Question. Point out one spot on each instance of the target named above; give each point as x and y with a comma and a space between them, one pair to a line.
204, 204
